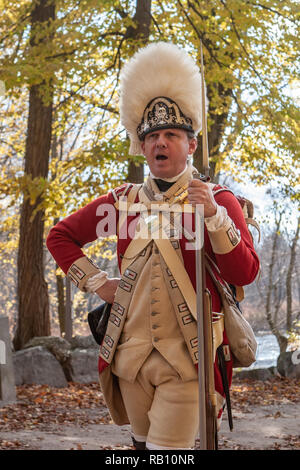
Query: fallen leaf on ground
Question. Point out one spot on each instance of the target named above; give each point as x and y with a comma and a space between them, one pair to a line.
42, 408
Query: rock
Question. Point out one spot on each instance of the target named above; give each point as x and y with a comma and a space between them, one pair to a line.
274, 371
255, 374
84, 364
288, 364
84, 342
7, 377
54, 361
36, 365
58, 346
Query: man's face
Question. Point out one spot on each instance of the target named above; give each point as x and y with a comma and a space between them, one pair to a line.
166, 151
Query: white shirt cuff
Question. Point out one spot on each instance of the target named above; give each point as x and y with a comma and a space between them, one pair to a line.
94, 282
217, 221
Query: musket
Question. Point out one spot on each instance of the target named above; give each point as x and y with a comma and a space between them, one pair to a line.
207, 396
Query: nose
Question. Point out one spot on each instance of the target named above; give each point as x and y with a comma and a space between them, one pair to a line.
161, 141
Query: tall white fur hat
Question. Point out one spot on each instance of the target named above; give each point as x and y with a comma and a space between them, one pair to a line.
159, 70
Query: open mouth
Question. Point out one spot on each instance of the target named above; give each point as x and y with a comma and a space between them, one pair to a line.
161, 157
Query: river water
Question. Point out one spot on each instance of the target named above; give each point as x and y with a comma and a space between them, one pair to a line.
267, 352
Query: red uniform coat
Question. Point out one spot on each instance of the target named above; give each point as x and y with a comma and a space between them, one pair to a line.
239, 266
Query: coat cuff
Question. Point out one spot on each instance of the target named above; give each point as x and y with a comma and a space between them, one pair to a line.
225, 239
81, 270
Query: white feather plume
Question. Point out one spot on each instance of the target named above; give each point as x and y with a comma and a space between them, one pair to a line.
159, 69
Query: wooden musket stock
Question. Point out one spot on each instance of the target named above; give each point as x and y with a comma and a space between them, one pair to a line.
207, 395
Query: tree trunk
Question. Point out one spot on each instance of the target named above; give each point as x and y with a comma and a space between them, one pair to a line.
135, 172
68, 312
289, 283
215, 135
281, 339
60, 280
61, 308
32, 289
142, 19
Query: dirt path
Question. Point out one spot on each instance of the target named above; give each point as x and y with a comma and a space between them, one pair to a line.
52, 420
267, 427
264, 427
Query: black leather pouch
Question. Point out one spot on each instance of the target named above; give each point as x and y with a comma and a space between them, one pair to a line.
98, 319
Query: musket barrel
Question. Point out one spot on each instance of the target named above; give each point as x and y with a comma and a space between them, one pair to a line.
199, 224
207, 406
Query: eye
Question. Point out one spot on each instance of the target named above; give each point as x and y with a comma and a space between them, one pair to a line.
151, 136
172, 134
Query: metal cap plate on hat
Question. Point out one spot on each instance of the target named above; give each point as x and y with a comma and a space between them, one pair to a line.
162, 113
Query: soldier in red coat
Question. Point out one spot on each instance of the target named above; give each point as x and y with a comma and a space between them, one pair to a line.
148, 357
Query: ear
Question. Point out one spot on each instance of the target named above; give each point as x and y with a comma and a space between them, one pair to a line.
193, 144
143, 146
